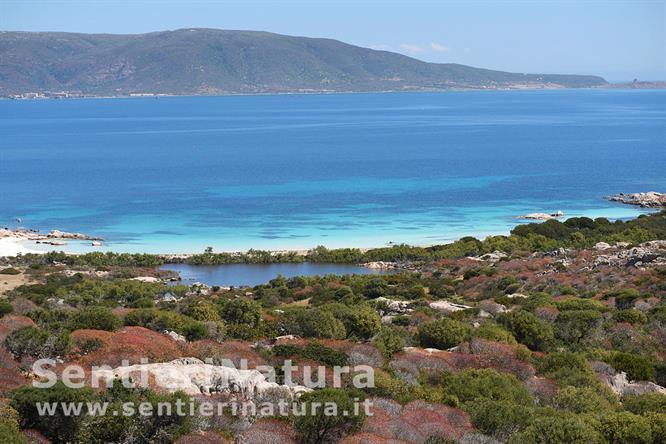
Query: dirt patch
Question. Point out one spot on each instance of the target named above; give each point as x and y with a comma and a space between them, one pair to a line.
11, 281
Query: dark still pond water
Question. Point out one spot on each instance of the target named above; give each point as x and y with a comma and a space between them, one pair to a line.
255, 274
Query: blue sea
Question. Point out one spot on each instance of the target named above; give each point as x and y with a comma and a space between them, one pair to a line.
178, 174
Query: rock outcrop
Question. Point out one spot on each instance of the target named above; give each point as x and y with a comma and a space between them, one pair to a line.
147, 279
651, 199
541, 216
619, 383
395, 306
493, 257
57, 234
381, 265
447, 307
194, 377
35, 235
651, 253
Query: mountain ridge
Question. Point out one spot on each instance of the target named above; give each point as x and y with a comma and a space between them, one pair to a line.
203, 61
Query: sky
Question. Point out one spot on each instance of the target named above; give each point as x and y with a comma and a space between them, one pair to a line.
617, 39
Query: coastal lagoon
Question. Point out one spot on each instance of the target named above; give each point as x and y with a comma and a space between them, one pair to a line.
178, 174
256, 274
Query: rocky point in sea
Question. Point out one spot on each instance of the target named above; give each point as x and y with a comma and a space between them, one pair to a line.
650, 199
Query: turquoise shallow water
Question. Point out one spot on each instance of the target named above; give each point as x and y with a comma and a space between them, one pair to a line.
295, 171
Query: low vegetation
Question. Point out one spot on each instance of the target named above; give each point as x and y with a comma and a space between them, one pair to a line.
518, 349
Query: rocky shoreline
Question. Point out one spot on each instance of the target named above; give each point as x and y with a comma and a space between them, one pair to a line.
650, 199
13, 241
542, 216
36, 235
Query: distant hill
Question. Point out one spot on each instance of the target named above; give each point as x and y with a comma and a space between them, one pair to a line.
211, 61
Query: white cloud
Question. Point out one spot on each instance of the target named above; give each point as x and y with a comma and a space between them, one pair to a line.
381, 47
409, 47
439, 47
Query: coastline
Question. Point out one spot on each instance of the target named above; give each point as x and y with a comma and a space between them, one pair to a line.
139, 95
12, 246
32, 242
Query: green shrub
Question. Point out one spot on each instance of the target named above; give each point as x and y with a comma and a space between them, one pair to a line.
631, 315
499, 419
574, 325
645, 403
475, 384
637, 368
203, 311
625, 427
572, 369
535, 301
11, 434
657, 426
9, 426
60, 428
527, 329
110, 428
326, 355
161, 320
624, 298
494, 332
361, 321
90, 345
443, 333
401, 320
387, 386
314, 351
241, 311
321, 426
389, 341
194, 331
580, 400
375, 288
10, 271
243, 332
580, 304
286, 350
5, 308
559, 428
37, 343
144, 302
316, 323
97, 318
415, 292
471, 273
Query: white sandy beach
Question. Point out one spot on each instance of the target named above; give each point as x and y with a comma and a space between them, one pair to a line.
11, 246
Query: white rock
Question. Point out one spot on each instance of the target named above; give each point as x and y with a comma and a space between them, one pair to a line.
149, 279
495, 256
193, 377
175, 336
395, 306
380, 265
492, 307
542, 216
619, 383
447, 306
651, 199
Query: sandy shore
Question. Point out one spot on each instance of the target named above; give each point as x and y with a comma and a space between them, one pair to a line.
21, 240
11, 246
